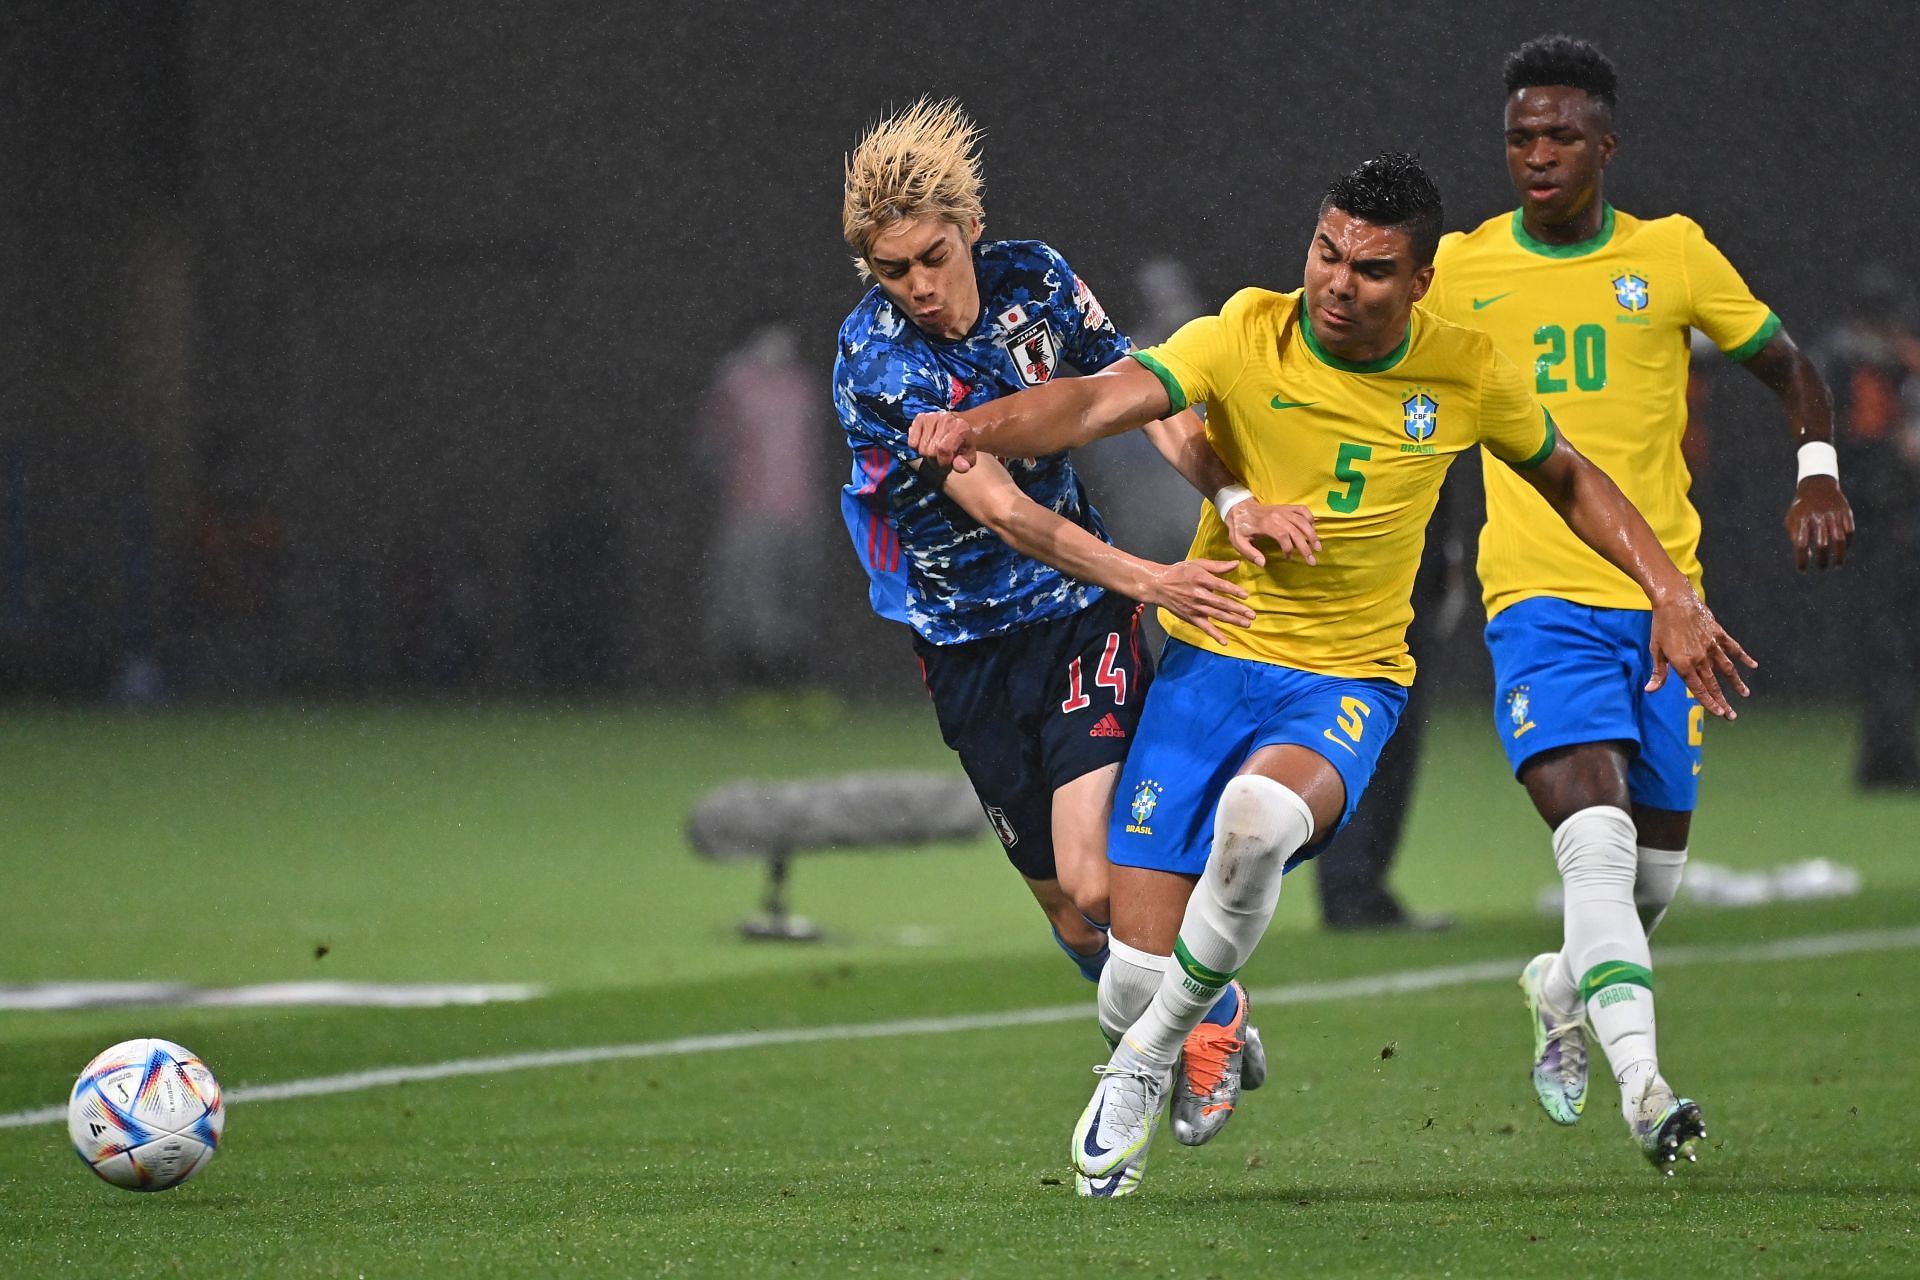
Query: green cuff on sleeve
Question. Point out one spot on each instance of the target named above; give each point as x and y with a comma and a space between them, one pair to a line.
1176, 397
1761, 337
1540, 455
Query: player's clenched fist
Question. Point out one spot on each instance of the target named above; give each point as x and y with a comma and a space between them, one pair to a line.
943, 438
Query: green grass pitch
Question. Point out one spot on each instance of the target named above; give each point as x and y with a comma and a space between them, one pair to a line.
1397, 1135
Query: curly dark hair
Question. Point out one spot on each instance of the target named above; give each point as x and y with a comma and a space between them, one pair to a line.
1563, 60
1392, 190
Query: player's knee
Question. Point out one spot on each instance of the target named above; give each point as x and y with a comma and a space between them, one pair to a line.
1595, 847
1075, 927
1258, 825
1084, 888
1092, 904
1566, 780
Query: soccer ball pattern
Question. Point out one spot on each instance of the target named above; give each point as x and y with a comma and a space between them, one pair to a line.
146, 1115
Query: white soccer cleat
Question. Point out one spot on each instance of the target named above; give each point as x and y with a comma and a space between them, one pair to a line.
1119, 1121
1123, 1182
1559, 1047
1666, 1127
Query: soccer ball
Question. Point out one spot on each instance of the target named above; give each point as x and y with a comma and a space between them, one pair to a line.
146, 1115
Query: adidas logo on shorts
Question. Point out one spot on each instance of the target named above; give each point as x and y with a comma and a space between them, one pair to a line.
1108, 727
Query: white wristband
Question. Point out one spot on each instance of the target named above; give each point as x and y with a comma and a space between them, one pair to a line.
1817, 458
1230, 497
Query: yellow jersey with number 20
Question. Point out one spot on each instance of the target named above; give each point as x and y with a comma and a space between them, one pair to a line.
1364, 446
1601, 329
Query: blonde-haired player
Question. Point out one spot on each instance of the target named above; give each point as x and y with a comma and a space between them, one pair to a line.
1025, 617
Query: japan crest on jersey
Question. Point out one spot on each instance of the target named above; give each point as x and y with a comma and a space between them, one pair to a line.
1034, 352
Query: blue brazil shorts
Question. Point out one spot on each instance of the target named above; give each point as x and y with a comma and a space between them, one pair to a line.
1205, 716
1566, 674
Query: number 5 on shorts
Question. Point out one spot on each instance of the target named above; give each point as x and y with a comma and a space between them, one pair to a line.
1352, 721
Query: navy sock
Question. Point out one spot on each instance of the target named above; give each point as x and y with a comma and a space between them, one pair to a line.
1090, 966
1226, 1008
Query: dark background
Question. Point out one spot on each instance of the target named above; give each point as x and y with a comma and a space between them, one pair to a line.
431, 291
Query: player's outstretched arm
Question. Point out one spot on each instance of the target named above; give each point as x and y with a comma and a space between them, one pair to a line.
1820, 521
1182, 441
1196, 590
1057, 415
1685, 632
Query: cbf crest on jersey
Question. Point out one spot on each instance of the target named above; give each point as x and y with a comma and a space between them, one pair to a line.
1419, 418
1630, 291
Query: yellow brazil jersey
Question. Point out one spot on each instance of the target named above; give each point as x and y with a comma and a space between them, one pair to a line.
1601, 329
1364, 446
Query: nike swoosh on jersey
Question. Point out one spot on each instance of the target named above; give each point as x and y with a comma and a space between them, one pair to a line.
1278, 403
1481, 303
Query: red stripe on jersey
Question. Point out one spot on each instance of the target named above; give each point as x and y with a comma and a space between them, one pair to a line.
873, 465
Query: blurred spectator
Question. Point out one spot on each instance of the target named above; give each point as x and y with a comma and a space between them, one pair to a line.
1872, 363
759, 435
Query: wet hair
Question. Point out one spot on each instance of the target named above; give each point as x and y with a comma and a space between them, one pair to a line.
920, 162
1392, 190
1563, 60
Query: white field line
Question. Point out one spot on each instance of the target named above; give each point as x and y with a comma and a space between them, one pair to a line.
1409, 980
44, 996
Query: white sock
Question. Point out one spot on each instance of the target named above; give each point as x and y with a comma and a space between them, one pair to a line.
1561, 988
1657, 883
1256, 828
1127, 985
1605, 943
1654, 888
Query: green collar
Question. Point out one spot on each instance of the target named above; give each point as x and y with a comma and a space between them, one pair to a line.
1579, 250
1327, 357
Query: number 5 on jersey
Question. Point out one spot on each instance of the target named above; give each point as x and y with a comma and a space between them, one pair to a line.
1344, 469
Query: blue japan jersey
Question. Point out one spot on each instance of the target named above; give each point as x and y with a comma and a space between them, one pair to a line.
931, 565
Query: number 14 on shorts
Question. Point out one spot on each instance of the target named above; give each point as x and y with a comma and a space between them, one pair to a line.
1107, 676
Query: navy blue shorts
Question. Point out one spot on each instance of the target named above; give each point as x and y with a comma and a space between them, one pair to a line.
1033, 709
1209, 713
1565, 674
